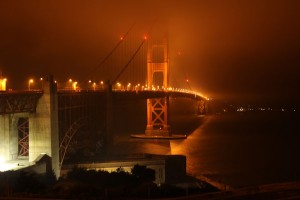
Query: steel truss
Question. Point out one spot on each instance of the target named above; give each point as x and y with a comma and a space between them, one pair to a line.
158, 114
68, 137
18, 102
78, 109
23, 136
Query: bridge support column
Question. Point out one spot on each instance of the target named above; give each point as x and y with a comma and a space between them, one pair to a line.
158, 109
13, 137
8, 137
43, 129
158, 126
5, 124
157, 117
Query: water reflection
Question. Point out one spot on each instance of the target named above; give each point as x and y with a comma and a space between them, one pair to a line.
244, 150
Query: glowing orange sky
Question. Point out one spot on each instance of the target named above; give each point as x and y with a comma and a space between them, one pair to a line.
233, 49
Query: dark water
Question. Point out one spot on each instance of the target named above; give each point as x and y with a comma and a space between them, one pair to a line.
244, 149
240, 149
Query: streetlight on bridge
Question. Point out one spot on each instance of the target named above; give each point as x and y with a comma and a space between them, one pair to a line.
3, 84
29, 83
42, 83
119, 86
128, 86
70, 83
74, 85
94, 85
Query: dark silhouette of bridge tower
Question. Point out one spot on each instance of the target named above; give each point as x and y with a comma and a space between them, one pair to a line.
157, 108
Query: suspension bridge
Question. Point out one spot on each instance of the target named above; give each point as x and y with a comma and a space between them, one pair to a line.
44, 120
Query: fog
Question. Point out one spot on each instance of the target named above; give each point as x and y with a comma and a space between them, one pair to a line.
247, 51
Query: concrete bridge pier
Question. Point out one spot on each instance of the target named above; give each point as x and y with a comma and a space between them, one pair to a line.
8, 138
43, 127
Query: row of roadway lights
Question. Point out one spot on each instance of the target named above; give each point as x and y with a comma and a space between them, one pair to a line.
31, 83
3, 83
73, 85
118, 86
129, 86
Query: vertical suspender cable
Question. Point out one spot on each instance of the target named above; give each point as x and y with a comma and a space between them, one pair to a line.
110, 53
128, 63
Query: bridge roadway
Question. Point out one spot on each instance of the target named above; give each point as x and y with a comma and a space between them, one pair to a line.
26, 101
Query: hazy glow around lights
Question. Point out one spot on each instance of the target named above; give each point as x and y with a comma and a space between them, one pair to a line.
5, 166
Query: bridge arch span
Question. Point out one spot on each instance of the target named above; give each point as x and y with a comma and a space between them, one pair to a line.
68, 136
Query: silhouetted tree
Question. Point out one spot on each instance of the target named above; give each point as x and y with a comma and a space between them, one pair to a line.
28, 183
48, 179
143, 174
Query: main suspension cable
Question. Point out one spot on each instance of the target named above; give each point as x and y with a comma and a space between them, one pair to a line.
110, 53
130, 60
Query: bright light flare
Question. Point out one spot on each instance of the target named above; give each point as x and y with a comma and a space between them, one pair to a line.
5, 166
74, 85
2, 160
3, 84
29, 83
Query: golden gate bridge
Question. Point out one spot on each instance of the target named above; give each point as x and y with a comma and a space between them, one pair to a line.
45, 118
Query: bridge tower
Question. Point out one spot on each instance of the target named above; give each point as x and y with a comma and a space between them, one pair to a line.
43, 129
157, 109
